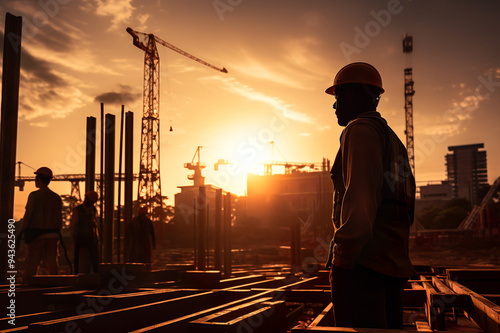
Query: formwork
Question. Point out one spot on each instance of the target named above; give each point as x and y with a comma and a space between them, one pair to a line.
269, 298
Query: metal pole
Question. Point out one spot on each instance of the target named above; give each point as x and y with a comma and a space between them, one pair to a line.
201, 221
129, 178
227, 235
218, 230
119, 219
195, 243
101, 184
90, 155
110, 189
10, 106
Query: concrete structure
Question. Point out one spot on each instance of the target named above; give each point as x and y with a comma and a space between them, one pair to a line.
276, 199
442, 191
467, 171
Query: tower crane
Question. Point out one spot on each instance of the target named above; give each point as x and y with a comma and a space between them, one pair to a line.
409, 92
149, 189
197, 167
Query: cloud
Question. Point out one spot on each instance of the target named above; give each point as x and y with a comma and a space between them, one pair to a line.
44, 91
39, 124
38, 70
284, 109
122, 97
463, 109
254, 68
119, 10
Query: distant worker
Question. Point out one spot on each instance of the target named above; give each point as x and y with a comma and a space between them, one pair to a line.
42, 223
143, 237
85, 231
374, 200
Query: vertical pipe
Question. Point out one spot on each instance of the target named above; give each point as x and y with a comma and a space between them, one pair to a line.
9, 110
218, 230
195, 242
129, 178
110, 189
227, 235
90, 155
207, 228
201, 221
119, 213
295, 244
101, 183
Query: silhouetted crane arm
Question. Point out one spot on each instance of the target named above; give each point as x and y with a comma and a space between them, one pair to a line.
184, 53
137, 42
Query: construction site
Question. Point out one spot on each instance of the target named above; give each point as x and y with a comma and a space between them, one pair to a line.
226, 262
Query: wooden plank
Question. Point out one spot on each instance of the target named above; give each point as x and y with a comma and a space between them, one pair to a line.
328, 310
435, 313
495, 298
54, 280
422, 326
484, 312
257, 316
473, 274
308, 329
308, 296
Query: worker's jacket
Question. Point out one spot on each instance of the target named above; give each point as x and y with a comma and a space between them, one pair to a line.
374, 198
43, 214
83, 223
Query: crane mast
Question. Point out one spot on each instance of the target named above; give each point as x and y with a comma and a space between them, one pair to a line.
409, 92
149, 189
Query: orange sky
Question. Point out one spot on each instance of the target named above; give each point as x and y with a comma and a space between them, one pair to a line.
280, 55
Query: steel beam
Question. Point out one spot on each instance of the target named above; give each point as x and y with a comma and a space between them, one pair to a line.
8, 142
201, 224
227, 235
218, 230
129, 174
90, 155
109, 189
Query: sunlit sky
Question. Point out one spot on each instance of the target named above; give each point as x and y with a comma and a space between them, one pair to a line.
281, 55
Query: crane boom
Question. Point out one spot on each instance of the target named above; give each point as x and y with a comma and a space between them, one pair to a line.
142, 46
184, 53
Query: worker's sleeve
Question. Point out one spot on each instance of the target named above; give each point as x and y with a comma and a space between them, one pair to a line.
28, 214
362, 165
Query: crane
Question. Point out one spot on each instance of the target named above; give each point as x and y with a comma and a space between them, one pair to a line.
149, 189
197, 177
409, 92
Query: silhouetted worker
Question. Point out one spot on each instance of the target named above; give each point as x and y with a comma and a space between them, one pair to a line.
374, 199
85, 231
42, 223
143, 237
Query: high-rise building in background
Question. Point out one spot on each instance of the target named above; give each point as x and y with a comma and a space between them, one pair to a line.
467, 171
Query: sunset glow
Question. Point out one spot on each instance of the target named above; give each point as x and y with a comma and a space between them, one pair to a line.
280, 57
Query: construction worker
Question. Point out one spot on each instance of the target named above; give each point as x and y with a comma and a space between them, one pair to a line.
85, 232
42, 223
143, 237
374, 199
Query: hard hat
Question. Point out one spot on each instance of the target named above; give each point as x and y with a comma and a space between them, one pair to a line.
142, 210
92, 195
44, 171
357, 72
